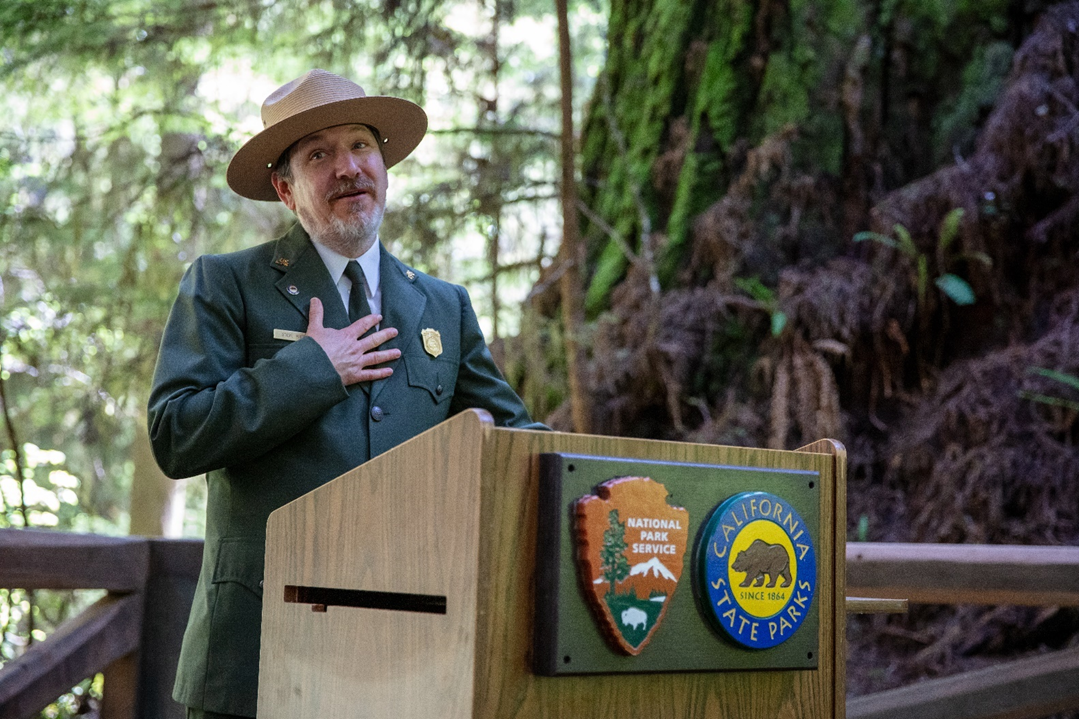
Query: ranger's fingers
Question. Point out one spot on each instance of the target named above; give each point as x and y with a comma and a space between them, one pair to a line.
376, 338
314, 315
370, 375
370, 359
363, 324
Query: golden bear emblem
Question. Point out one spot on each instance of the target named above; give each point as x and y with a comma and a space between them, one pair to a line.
761, 560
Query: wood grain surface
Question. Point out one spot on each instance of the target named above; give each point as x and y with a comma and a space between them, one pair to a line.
1021, 689
965, 573
38, 559
407, 521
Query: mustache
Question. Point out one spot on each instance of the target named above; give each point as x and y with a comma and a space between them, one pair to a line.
346, 187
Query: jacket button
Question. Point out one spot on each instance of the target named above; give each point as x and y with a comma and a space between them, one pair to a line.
438, 390
260, 583
376, 414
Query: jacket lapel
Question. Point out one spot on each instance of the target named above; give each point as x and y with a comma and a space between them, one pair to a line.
402, 307
304, 276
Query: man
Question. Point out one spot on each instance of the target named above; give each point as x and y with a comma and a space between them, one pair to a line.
285, 365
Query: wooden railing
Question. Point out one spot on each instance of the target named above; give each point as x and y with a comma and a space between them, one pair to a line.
133, 633
149, 584
973, 574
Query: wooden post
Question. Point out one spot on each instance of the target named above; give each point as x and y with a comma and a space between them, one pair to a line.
150, 583
120, 697
103, 634
170, 587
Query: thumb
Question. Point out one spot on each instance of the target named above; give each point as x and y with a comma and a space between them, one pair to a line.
314, 315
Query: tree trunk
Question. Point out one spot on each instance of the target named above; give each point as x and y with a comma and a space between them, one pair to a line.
157, 502
571, 255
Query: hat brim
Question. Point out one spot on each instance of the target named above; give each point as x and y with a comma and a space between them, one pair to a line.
402, 124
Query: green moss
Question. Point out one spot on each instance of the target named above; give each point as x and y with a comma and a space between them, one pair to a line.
646, 51
719, 101
681, 213
784, 93
721, 94
609, 269
701, 184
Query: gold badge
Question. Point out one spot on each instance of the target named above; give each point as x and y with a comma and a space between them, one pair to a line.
432, 341
281, 261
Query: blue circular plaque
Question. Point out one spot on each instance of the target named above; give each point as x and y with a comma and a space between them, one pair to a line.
757, 569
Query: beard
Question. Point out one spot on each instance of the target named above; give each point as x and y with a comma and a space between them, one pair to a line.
350, 236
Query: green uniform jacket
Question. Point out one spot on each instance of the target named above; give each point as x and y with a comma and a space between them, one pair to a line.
268, 420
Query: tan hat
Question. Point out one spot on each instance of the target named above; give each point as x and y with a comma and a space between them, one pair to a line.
313, 102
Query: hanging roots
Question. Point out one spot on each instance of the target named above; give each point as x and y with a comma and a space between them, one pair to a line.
804, 397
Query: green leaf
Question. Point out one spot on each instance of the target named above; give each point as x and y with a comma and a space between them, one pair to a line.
779, 321
1062, 377
876, 237
1049, 400
906, 242
978, 256
949, 227
756, 289
956, 288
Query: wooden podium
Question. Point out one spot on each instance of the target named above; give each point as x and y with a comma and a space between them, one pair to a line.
405, 588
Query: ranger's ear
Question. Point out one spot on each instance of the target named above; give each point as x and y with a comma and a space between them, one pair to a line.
284, 190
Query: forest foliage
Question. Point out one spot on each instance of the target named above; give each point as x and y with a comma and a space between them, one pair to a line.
120, 120
846, 218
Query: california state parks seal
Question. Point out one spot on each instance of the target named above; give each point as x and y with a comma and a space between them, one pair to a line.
758, 569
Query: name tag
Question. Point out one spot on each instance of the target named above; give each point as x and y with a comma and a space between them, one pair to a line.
288, 335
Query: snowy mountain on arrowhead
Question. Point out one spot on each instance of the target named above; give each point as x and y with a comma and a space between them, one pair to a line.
655, 567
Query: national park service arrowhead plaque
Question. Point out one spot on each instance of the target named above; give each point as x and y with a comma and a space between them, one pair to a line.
630, 549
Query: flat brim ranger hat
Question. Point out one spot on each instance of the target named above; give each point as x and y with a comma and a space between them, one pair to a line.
311, 103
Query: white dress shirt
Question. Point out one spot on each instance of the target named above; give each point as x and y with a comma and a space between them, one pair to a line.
369, 260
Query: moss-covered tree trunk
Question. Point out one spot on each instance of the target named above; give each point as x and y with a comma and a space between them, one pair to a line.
687, 89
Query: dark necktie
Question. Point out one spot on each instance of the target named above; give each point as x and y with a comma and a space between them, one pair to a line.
357, 297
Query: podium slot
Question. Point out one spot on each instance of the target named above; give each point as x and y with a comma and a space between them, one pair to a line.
322, 597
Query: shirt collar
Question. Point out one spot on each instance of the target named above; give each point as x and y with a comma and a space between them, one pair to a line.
369, 262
